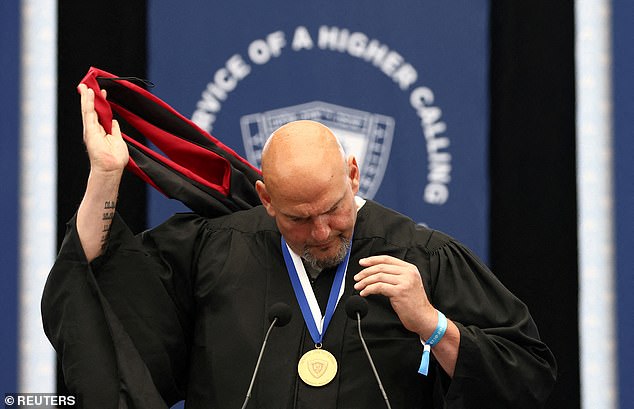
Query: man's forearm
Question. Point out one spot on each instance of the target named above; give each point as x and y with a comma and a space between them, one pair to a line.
96, 212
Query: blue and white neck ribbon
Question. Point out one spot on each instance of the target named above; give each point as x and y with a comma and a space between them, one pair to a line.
315, 322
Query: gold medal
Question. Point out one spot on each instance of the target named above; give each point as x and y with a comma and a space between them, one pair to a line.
317, 367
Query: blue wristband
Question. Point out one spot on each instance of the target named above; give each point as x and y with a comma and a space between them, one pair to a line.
435, 338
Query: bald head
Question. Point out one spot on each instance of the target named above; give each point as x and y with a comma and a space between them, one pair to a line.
309, 188
302, 156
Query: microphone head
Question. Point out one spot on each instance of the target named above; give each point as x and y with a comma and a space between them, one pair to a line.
356, 304
282, 312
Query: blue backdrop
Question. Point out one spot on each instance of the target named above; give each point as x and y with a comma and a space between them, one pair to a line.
9, 168
623, 86
403, 84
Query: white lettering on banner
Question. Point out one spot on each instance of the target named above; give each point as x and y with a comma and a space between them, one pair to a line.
357, 45
301, 39
225, 81
237, 67
438, 163
261, 51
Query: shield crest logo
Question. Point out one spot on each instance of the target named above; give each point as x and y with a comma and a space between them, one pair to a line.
367, 136
317, 367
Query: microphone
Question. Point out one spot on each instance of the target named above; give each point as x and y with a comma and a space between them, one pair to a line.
356, 305
357, 308
279, 314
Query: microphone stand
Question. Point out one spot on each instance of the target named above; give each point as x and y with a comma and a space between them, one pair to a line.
367, 352
257, 365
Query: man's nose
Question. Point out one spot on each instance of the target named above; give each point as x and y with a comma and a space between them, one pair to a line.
321, 229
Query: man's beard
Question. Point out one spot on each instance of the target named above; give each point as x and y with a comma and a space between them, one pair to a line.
328, 262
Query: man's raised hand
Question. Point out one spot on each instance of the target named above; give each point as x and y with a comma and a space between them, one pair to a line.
108, 152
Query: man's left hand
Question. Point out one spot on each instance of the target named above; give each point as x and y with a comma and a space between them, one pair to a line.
401, 282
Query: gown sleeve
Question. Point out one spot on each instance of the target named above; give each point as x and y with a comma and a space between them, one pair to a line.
501, 361
122, 324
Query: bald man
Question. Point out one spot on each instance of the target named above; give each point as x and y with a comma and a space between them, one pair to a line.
309, 189
179, 312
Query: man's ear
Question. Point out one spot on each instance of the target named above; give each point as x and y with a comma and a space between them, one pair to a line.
265, 197
354, 174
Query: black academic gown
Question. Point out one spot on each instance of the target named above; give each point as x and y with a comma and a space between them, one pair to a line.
180, 312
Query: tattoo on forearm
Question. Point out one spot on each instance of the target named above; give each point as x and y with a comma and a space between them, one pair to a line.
107, 217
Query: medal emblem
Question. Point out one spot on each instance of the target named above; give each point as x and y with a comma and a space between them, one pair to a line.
317, 367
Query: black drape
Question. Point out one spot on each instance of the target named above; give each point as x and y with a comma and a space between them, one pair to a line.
532, 157
110, 34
